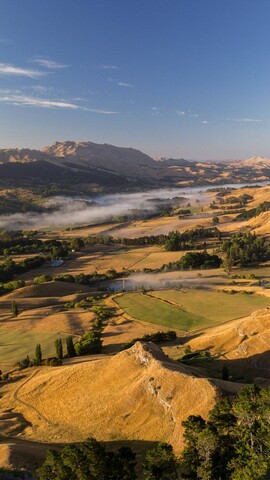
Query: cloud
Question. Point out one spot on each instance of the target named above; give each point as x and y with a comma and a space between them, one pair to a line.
37, 102
100, 110
41, 89
187, 114
8, 91
47, 63
24, 100
204, 122
155, 111
108, 67
123, 84
245, 119
6, 69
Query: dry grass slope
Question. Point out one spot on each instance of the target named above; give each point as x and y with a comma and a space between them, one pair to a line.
139, 394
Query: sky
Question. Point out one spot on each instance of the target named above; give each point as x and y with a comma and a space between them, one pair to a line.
173, 78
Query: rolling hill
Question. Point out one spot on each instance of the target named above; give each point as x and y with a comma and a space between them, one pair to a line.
138, 394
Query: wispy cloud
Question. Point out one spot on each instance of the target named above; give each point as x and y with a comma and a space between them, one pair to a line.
155, 111
204, 122
37, 102
187, 114
8, 91
100, 110
6, 69
123, 84
108, 67
47, 63
25, 100
42, 89
245, 119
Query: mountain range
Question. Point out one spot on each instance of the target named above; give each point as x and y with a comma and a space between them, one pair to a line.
89, 166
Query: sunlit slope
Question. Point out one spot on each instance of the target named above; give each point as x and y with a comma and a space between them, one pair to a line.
138, 394
247, 340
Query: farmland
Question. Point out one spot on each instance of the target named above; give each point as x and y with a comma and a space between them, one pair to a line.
189, 310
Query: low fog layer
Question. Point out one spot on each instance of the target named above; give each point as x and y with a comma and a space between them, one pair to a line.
155, 281
70, 211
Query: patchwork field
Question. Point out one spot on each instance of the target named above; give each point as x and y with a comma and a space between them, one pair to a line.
189, 310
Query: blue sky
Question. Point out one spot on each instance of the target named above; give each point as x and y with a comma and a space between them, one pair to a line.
181, 78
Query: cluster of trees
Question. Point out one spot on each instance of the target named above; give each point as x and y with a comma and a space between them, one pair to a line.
18, 242
178, 241
193, 235
234, 443
90, 342
245, 249
194, 260
240, 201
253, 212
9, 268
91, 460
157, 337
88, 279
10, 286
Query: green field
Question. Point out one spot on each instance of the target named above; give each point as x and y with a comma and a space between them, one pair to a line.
189, 310
17, 344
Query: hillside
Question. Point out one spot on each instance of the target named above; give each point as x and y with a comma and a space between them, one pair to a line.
138, 395
243, 344
89, 165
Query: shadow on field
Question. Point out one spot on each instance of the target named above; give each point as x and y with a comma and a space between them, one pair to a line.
188, 337
252, 369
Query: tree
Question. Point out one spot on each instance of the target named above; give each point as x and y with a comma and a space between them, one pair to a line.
70, 347
160, 463
245, 249
59, 348
38, 356
88, 461
14, 308
173, 242
77, 244
234, 444
215, 220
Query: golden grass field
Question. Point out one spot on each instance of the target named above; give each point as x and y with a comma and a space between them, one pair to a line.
138, 395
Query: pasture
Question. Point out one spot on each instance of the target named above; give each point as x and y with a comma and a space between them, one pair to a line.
17, 344
190, 309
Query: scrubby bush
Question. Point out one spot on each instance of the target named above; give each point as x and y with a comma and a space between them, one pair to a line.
157, 337
42, 279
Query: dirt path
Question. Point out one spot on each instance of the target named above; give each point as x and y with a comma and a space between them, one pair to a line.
17, 398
